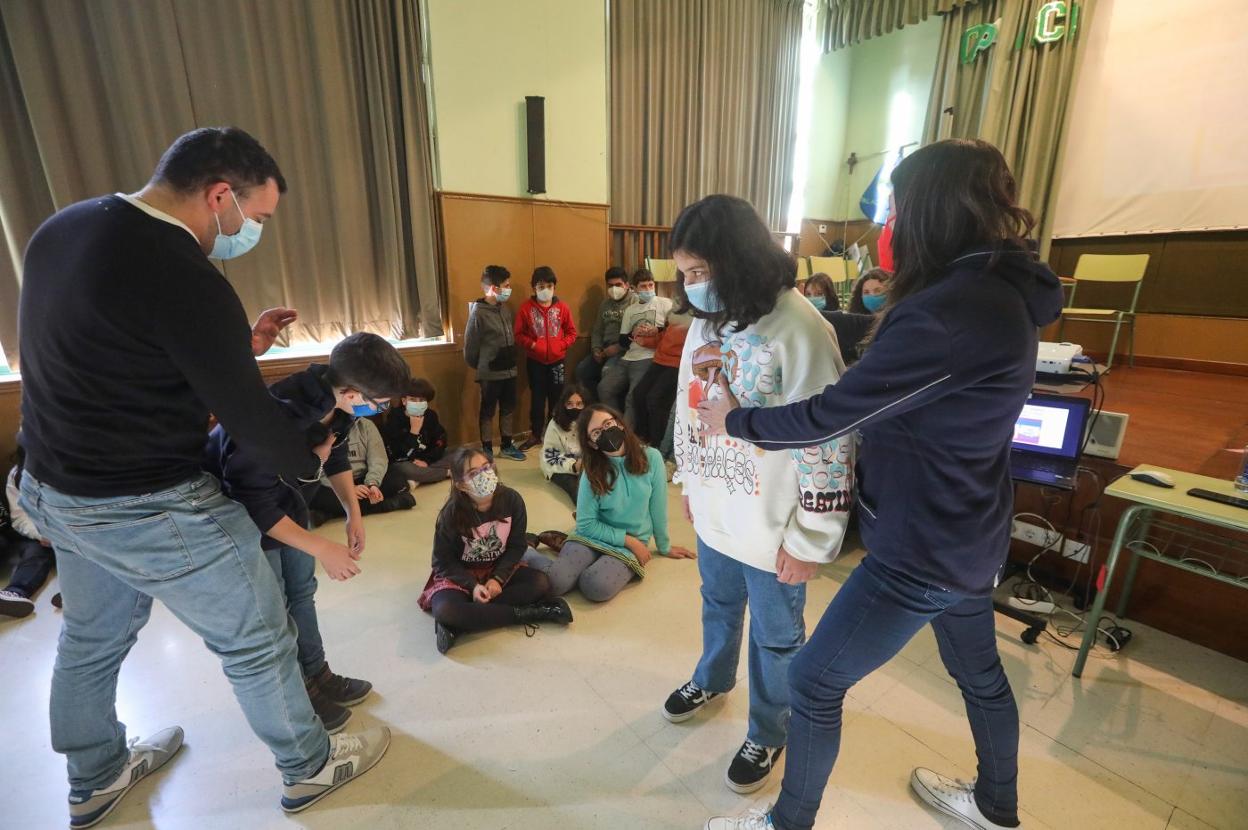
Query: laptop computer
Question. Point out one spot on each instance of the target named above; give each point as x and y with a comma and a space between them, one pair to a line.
1048, 440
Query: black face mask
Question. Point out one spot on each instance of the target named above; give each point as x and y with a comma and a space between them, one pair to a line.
611, 439
574, 411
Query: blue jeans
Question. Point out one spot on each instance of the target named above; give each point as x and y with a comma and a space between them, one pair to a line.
777, 631
296, 573
870, 619
199, 553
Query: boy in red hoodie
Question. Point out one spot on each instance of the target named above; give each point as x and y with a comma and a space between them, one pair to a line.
544, 329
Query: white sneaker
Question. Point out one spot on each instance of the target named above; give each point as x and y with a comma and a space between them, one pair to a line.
350, 756
952, 797
88, 808
749, 820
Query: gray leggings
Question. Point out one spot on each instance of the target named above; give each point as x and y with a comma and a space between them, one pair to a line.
599, 576
435, 472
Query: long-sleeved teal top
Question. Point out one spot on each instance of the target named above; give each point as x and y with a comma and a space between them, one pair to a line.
636, 506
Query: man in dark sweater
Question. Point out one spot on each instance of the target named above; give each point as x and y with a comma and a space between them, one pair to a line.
122, 316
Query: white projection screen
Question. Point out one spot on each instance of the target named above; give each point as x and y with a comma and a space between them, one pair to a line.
1158, 138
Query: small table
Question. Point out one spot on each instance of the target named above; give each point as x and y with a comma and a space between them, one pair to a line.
1143, 518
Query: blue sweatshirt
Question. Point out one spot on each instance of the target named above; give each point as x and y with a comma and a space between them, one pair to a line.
249, 478
935, 397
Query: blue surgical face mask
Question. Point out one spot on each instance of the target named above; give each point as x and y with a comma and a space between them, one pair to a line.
874, 302
818, 301
502, 294
228, 246
645, 296
703, 298
363, 410
417, 408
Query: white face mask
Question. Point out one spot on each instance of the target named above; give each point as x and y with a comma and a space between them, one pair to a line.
546, 295
617, 292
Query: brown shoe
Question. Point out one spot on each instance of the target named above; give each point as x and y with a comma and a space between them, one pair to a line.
533, 441
553, 539
333, 716
532, 540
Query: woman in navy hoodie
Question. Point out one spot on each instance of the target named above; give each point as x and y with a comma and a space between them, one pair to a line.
935, 397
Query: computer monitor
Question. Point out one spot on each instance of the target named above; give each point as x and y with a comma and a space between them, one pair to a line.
1051, 425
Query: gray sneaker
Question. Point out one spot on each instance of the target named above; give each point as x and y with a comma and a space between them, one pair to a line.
88, 808
350, 756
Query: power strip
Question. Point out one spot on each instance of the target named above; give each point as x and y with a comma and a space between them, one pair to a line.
1041, 607
1042, 537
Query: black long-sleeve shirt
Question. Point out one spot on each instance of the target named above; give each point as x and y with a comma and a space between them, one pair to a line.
129, 339
427, 446
498, 541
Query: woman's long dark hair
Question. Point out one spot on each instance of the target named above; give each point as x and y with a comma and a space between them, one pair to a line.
460, 510
748, 267
561, 416
597, 464
953, 197
856, 305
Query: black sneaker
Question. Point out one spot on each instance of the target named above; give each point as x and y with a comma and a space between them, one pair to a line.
445, 637
547, 610
333, 716
13, 604
345, 691
684, 703
752, 766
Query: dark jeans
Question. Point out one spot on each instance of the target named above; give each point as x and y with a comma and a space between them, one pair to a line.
869, 620
568, 483
589, 373
545, 387
325, 500
501, 395
653, 397
460, 612
34, 563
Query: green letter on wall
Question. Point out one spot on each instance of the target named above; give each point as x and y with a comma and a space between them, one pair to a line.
977, 39
1048, 29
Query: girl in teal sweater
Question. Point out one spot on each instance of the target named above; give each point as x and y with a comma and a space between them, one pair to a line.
620, 507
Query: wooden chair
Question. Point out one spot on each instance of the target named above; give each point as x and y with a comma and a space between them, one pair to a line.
1116, 268
842, 271
803, 268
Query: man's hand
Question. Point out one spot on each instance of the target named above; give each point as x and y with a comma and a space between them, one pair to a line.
268, 326
494, 587
792, 571
600, 355
638, 548
481, 594
612, 350
374, 494
337, 561
713, 414
355, 537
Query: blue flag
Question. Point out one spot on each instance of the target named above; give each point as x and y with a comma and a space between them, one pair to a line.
874, 202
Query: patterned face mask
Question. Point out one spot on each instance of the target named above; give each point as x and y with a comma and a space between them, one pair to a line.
483, 484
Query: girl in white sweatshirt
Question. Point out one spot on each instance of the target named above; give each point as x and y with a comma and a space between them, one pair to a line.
764, 520
561, 452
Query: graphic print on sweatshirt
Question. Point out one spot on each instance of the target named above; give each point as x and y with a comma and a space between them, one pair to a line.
488, 542
749, 362
539, 320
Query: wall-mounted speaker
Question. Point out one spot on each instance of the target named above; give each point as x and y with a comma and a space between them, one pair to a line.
1105, 434
535, 109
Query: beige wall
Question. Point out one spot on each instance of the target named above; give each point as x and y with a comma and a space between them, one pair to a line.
486, 55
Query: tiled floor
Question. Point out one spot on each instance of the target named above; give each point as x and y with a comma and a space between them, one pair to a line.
563, 731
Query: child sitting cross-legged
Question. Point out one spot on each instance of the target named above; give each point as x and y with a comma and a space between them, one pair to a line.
478, 581
621, 505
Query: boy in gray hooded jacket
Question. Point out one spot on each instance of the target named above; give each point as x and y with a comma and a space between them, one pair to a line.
490, 348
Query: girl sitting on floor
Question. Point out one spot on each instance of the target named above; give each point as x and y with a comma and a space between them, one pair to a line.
561, 452
620, 506
478, 581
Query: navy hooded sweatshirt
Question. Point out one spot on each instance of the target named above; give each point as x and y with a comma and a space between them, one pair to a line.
248, 477
935, 397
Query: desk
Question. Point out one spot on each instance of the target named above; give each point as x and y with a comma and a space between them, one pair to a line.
1230, 556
